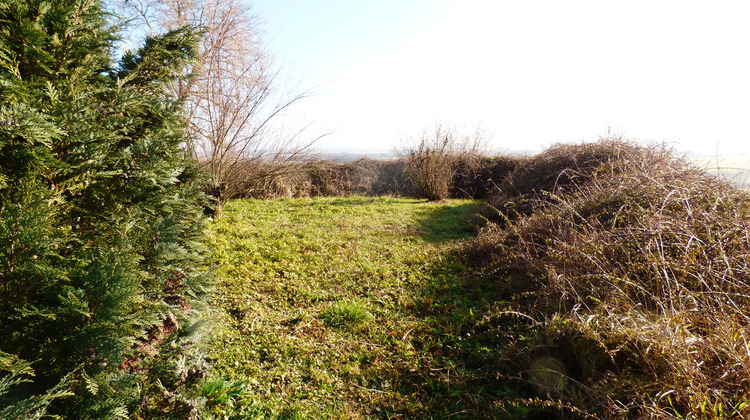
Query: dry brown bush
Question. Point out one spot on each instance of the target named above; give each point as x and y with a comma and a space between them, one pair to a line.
474, 177
631, 270
559, 168
431, 161
479, 176
330, 178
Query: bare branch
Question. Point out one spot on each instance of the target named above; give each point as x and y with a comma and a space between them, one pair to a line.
231, 102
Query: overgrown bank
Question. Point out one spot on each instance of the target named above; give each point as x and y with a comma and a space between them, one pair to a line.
624, 275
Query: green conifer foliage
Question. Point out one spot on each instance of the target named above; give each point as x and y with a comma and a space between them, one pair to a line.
101, 276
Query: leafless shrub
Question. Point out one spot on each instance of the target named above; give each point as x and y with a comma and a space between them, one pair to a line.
431, 160
475, 177
383, 177
313, 178
231, 102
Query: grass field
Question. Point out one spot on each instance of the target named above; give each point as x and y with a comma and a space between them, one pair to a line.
346, 308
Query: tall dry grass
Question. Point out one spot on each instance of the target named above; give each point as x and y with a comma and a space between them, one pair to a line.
627, 272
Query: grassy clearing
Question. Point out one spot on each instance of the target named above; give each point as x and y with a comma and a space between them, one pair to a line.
344, 307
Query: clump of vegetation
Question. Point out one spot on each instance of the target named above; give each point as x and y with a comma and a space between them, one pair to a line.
431, 161
325, 178
345, 313
557, 170
479, 176
626, 272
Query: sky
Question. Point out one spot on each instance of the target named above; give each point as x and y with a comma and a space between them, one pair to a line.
529, 73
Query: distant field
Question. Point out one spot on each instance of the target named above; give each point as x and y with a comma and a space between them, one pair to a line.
732, 168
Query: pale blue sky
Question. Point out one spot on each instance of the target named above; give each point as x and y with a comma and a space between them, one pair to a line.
531, 73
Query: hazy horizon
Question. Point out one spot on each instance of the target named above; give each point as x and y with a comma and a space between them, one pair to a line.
531, 73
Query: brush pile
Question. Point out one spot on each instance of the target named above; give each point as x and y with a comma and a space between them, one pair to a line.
624, 272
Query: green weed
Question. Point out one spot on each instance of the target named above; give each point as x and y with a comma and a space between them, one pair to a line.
341, 314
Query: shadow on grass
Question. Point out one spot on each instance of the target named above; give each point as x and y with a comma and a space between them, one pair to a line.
456, 363
437, 222
450, 222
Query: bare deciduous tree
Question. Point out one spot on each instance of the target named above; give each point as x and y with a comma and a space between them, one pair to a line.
230, 102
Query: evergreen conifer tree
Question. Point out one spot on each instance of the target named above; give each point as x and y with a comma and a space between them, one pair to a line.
101, 275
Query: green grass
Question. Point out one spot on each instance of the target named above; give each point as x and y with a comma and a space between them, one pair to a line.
346, 308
